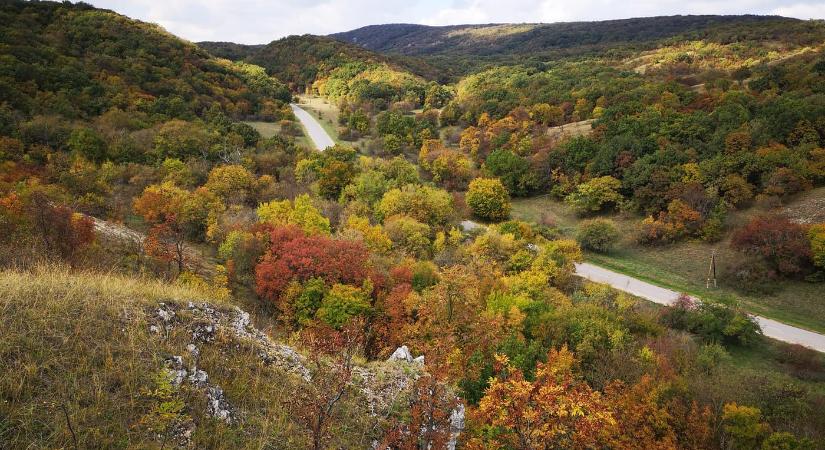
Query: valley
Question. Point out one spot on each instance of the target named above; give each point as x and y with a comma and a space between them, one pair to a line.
576, 235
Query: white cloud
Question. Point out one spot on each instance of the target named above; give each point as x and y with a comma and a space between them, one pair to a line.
802, 10
260, 21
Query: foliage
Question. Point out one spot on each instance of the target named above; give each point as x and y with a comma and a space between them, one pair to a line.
595, 195
488, 199
713, 322
428, 205
555, 409
341, 303
599, 235
816, 234
409, 235
295, 255
781, 243
300, 212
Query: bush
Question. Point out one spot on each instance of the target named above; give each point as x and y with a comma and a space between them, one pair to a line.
779, 242
804, 363
599, 235
595, 195
713, 322
488, 199
752, 276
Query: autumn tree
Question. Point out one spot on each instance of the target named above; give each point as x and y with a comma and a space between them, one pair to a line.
425, 204
409, 235
817, 236
232, 183
167, 242
301, 212
63, 232
331, 367
554, 411
294, 255
781, 243
488, 199
595, 195
599, 235
743, 426
430, 407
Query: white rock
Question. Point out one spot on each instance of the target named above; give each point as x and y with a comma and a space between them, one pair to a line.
198, 377
401, 354
419, 360
456, 425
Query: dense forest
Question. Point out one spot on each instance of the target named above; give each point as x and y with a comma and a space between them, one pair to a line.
146, 204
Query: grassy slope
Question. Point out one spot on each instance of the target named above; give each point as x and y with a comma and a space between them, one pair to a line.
83, 341
684, 266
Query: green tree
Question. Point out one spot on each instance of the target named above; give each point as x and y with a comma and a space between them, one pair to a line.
595, 194
87, 143
599, 235
817, 236
743, 426
425, 204
409, 235
342, 303
301, 212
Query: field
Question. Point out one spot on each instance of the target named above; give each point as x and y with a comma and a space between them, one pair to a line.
269, 129
684, 266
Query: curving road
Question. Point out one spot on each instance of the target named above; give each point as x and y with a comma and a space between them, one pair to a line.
656, 294
316, 132
639, 288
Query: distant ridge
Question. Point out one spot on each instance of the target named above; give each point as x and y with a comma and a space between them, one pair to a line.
496, 39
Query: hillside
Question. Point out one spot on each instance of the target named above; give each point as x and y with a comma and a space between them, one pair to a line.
79, 61
466, 48
300, 60
502, 39
179, 267
94, 360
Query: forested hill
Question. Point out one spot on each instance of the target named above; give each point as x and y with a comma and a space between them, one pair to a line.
571, 38
79, 61
300, 60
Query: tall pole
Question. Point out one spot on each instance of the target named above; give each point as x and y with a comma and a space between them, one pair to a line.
711, 270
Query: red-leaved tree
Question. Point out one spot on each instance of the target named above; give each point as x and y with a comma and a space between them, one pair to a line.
293, 255
781, 243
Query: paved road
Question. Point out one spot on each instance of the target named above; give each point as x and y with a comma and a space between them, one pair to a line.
314, 129
656, 294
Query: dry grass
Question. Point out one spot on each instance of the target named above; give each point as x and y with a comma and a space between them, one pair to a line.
78, 345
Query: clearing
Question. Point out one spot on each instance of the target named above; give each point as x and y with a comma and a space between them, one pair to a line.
684, 266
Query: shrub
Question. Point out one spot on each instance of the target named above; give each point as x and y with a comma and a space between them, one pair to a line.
294, 255
488, 199
816, 234
752, 275
424, 275
342, 303
781, 243
409, 235
595, 195
713, 322
599, 235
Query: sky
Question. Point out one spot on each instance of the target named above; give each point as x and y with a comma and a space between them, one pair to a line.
261, 21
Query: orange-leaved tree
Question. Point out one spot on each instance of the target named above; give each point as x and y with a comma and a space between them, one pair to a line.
555, 411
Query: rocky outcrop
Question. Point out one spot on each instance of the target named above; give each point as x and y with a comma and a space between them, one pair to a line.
382, 384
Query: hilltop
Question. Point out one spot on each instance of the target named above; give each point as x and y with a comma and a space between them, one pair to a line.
532, 38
